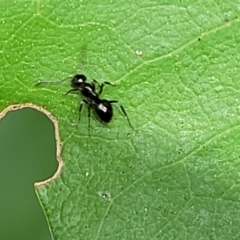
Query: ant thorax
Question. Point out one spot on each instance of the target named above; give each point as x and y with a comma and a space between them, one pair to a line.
89, 92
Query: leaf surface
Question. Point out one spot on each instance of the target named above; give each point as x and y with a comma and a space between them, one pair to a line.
176, 66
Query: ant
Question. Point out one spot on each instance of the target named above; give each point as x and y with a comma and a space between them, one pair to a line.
102, 107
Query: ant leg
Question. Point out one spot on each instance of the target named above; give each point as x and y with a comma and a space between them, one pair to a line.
108, 83
89, 114
79, 112
72, 90
96, 82
54, 82
89, 118
101, 85
123, 111
100, 89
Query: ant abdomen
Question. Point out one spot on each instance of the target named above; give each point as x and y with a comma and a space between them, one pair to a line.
104, 111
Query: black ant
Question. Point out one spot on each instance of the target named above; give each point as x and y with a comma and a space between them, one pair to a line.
90, 97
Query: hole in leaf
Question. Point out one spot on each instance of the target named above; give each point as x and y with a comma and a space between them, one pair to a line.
27, 155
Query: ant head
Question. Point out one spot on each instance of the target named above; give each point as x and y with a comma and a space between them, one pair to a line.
78, 80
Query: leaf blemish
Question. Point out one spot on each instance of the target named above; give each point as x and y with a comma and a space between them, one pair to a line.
104, 195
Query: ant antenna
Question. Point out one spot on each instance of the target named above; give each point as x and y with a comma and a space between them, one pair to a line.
83, 56
52, 82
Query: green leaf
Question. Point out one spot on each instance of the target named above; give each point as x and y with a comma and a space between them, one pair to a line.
176, 66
